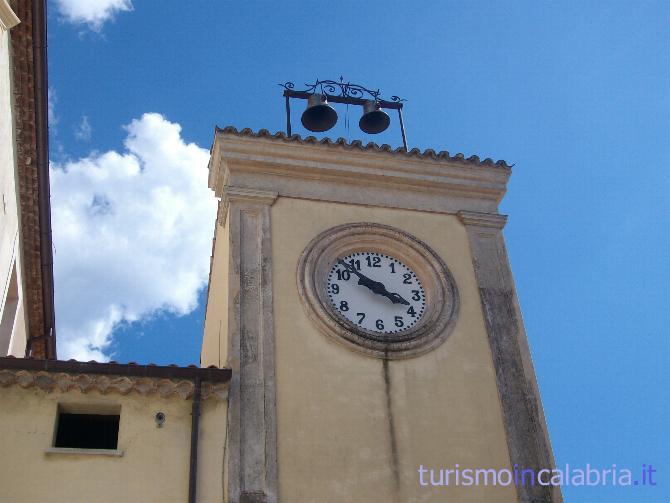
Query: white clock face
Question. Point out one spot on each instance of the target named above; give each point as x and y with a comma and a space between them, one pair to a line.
376, 292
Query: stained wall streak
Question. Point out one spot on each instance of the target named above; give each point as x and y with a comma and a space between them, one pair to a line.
524, 433
527, 437
392, 428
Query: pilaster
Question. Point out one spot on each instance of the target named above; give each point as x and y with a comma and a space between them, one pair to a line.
252, 444
527, 437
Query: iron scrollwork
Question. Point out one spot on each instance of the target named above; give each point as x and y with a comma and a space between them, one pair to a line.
341, 89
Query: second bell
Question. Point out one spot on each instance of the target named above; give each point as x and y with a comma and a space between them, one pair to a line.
374, 119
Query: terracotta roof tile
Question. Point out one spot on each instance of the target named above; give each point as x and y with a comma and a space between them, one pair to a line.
114, 368
166, 382
357, 144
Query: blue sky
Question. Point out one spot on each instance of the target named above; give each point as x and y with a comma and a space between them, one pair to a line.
575, 94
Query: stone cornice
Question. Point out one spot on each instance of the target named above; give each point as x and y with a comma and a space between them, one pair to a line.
491, 220
341, 172
7, 17
123, 385
250, 195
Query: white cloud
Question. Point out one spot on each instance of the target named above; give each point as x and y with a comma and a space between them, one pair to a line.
93, 13
52, 99
56, 150
132, 235
83, 130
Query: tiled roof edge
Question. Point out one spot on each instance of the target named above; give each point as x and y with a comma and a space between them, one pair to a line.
210, 374
357, 144
106, 384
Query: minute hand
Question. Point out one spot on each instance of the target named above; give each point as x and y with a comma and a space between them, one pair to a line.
373, 285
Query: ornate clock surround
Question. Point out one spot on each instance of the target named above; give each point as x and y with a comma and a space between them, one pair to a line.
442, 300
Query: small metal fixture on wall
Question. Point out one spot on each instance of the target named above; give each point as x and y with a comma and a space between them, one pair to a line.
320, 116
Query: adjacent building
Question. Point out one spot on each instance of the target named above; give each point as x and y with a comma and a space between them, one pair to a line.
27, 325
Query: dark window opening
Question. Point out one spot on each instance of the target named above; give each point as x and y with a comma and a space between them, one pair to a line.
87, 431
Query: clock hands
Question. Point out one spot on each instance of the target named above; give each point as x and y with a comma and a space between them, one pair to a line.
373, 285
395, 298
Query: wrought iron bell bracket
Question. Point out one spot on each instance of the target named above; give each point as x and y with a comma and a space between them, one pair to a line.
345, 93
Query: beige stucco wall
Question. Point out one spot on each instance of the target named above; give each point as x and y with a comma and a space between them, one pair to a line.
334, 441
9, 251
215, 341
154, 466
17, 343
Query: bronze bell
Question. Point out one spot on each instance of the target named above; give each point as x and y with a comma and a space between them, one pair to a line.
319, 116
374, 119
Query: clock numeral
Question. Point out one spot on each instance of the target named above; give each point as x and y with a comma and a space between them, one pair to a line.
407, 278
379, 324
355, 264
411, 312
392, 266
399, 322
335, 288
416, 295
343, 275
344, 306
361, 317
373, 261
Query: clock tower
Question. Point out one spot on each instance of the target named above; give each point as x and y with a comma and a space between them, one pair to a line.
363, 298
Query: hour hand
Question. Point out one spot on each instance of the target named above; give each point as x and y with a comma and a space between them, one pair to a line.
395, 298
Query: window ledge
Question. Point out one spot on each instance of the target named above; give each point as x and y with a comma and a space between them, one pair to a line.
71, 450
